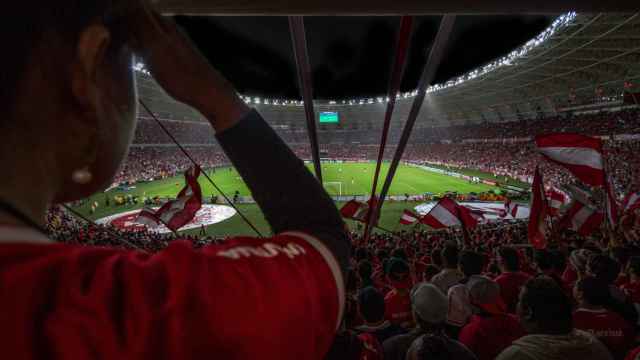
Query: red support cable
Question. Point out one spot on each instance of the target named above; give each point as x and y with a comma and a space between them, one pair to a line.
397, 73
433, 62
299, 40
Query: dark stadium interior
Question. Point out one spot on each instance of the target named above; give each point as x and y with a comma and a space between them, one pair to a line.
350, 56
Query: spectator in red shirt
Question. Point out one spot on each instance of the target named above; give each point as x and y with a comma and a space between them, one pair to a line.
429, 306
632, 287
577, 267
490, 329
545, 314
398, 301
511, 278
272, 298
606, 269
592, 316
622, 256
365, 271
543, 259
372, 309
429, 272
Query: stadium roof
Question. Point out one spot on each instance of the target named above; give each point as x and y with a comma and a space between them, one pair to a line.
587, 58
386, 7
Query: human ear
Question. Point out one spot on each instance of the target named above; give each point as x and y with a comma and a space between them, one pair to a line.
91, 50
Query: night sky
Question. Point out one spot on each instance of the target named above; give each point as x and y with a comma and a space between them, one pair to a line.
350, 56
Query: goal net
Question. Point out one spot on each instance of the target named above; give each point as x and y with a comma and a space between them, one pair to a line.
333, 187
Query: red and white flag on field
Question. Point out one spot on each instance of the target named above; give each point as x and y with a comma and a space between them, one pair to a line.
358, 211
581, 155
148, 217
556, 201
447, 213
510, 208
539, 212
478, 215
582, 218
631, 201
408, 218
177, 213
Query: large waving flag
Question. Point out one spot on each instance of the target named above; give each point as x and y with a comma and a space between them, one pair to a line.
581, 155
447, 213
358, 211
582, 218
556, 201
631, 201
539, 213
408, 218
177, 213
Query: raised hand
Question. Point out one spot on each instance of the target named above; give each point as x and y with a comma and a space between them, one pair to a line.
183, 72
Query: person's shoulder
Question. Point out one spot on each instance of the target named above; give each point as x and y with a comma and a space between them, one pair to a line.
460, 351
502, 277
513, 352
391, 294
524, 276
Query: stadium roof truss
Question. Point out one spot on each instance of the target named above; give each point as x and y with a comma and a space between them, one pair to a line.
587, 60
385, 7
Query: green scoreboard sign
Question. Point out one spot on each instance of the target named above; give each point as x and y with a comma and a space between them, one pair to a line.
329, 118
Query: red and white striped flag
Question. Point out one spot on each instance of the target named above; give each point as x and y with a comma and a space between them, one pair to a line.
408, 218
582, 218
631, 201
581, 155
148, 218
358, 211
447, 213
556, 201
179, 212
539, 211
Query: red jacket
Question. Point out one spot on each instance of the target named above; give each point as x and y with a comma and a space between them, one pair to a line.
510, 285
487, 335
615, 332
277, 298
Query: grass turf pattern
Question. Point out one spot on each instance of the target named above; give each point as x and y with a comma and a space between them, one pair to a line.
356, 179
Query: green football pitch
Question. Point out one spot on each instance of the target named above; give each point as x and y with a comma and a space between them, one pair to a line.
339, 179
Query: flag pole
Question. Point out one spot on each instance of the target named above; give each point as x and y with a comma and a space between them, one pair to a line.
428, 73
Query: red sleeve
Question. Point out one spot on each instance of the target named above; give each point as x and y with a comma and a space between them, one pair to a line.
467, 336
277, 298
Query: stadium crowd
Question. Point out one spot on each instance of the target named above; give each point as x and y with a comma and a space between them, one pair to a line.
505, 150
418, 294
599, 124
421, 295
514, 160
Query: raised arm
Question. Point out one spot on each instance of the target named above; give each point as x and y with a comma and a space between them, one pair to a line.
290, 197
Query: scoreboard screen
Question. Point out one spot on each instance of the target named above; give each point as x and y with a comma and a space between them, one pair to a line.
329, 118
